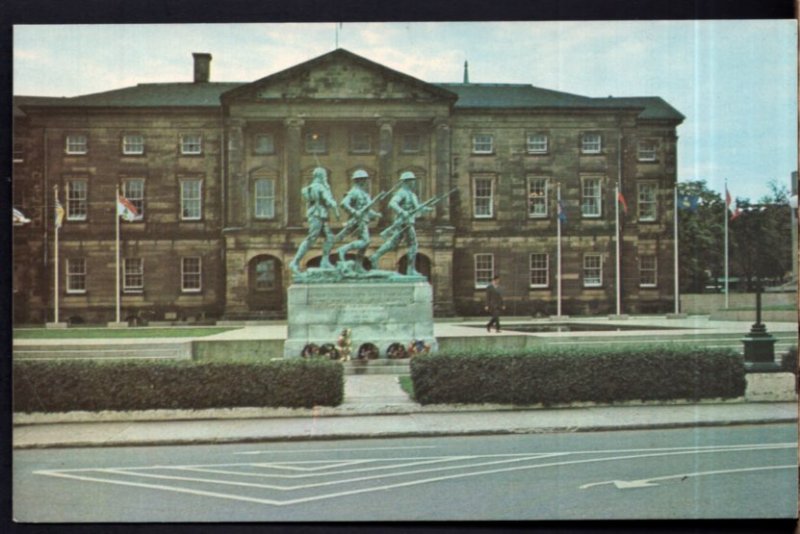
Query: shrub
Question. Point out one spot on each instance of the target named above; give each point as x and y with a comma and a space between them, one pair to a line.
562, 375
789, 361
91, 385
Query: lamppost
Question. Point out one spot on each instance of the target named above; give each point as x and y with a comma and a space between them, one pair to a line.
759, 345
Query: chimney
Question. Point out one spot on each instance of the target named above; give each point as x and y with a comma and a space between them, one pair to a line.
202, 67
466, 72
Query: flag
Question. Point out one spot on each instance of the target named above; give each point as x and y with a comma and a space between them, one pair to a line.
562, 212
688, 202
59, 214
19, 218
621, 200
728, 201
126, 209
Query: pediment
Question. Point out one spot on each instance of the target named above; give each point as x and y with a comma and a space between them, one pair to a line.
338, 75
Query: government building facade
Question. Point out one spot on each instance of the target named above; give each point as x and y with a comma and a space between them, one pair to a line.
215, 170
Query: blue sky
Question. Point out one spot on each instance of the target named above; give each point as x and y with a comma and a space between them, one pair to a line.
735, 81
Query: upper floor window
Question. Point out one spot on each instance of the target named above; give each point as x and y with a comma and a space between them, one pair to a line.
537, 197
360, 143
77, 144
483, 197
482, 144
76, 275
77, 200
264, 143
316, 143
191, 200
536, 143
648, 203
591, 143
133, 190
133, 271
411, 143
539, 270
191, 144
592, 270
647, 150
133, 144
484, 269
591, 197
191, 274
264, 198
647, 271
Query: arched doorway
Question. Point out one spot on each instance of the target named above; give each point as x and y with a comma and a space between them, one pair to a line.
265, 284
422, 264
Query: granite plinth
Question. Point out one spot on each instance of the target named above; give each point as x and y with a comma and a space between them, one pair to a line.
377, 313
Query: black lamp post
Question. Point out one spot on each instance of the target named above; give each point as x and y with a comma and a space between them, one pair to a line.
759, 345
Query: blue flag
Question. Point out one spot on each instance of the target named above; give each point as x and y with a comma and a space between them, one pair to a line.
688, 202
562, 213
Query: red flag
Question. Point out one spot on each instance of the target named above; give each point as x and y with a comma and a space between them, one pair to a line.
621, 200
126, 209
728, 201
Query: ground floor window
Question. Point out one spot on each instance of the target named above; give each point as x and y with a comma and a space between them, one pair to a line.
191, 274
539, 264
133, 279
647, 271
76, 275
484, 269
266, 276
592, 270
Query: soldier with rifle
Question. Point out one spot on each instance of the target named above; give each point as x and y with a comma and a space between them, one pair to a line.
319, 200
358, 204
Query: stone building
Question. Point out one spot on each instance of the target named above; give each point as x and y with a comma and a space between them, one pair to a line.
216, 170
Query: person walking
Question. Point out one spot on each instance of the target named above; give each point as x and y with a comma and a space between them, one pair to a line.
494, 303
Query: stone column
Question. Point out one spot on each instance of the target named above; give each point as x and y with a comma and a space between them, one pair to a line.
385, 154
294, 181
236, 194
442, 167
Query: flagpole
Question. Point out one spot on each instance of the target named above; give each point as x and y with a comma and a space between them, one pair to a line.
55, 258
675, 251
619, 293
725, 207
116, 216
558, 251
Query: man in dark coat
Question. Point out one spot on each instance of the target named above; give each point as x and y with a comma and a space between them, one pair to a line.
494, 303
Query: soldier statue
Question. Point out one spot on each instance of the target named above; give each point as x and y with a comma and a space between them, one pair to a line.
319, 200
358, 204
406, 206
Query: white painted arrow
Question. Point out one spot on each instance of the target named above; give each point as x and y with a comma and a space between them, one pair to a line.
649, 482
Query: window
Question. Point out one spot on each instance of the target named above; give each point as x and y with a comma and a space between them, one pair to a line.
647, 150
133, 144
537, 197
265, 275
77, 200
133, 275
647, 271
591, 143
76, 275
316, 143
540, 270
264, 198
592, 270
264, 143
484, 269
536, 143
411, 143
482, 144
191, 144
191, 200
190, 274
133, 190
648, 206
77, 144
19, 153
591, 197
360, 143
483, 198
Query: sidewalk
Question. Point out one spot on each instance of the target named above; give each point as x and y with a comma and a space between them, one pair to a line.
375, 407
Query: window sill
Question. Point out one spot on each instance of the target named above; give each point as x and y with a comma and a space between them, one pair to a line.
539, 288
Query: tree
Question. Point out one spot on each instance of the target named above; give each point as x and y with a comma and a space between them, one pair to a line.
700, 236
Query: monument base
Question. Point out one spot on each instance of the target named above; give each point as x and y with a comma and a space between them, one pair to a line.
377, 313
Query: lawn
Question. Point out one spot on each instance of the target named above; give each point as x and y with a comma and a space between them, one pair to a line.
115, 333
407, 386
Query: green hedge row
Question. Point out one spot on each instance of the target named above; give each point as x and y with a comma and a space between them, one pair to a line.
562, 375
62, 386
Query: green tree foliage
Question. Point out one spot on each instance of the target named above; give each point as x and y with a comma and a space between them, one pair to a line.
700, 235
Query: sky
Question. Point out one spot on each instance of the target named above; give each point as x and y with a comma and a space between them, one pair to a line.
735, 81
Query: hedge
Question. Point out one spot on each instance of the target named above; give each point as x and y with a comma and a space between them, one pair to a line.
563, 375
60, 386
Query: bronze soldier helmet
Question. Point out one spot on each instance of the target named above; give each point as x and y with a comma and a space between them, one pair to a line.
320, 173
408, 175
360, 174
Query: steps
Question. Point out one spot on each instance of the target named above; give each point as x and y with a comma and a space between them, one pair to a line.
380, 366
101, 351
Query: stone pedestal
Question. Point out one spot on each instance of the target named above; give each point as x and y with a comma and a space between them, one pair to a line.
378, 313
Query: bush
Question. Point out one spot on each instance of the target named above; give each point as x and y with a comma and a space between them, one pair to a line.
789, 361
62, 386
562, 375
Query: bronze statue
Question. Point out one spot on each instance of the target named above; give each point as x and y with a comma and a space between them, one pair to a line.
358, 204
319, 200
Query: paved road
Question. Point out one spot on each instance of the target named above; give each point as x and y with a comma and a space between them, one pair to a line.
743, 471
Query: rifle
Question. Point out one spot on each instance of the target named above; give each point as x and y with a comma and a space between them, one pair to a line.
352, 222
399, 224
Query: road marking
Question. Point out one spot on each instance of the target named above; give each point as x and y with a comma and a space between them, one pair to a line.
649, 482
341, 450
